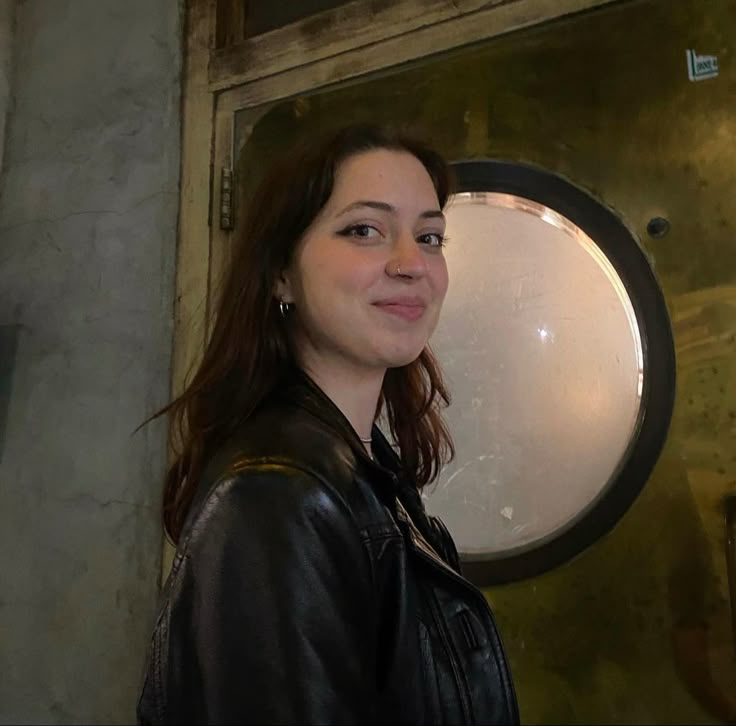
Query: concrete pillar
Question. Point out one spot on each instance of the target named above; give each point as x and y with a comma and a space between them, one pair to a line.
88, 212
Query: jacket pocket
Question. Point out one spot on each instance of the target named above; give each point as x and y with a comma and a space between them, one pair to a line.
470, 632
453, 690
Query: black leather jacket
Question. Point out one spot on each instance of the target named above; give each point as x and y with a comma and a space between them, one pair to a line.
309, 586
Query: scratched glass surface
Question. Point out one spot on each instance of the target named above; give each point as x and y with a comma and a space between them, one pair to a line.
542, 351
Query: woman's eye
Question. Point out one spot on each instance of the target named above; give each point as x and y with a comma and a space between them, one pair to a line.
432, 239
361, 231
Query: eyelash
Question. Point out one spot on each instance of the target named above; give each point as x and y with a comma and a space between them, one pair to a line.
441, 239
350, 231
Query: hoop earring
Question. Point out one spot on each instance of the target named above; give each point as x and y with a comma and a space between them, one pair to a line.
283, 308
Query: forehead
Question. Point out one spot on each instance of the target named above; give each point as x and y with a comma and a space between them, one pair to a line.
384, 175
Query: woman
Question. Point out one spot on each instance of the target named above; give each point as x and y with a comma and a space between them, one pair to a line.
309, 584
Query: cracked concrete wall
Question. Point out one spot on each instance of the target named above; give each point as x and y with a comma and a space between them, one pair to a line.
88, 208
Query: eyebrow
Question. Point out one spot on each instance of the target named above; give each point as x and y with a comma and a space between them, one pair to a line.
385, 207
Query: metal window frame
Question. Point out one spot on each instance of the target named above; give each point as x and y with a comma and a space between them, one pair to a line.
622, 249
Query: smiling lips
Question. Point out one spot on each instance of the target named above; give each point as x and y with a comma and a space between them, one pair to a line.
408, 308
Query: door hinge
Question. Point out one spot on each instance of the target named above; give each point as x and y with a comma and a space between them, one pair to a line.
226, 198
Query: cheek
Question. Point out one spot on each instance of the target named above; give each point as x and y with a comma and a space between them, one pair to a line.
439, 276
354, 274
342, 275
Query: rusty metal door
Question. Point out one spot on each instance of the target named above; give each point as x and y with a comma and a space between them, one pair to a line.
632, 104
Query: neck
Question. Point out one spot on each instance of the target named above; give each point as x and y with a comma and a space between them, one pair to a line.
354, 392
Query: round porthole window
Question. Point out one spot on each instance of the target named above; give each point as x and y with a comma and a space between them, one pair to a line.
551, 327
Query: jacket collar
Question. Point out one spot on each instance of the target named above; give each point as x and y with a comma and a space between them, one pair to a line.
300, 390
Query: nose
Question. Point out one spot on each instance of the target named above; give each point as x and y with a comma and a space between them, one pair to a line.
407, 259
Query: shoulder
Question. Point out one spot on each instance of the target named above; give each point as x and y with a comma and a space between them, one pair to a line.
282, 444
262, 539
280, 463
287, 435
268, 525
268, 501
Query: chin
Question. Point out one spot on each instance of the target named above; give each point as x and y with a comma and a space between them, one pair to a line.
399, 358
397, 350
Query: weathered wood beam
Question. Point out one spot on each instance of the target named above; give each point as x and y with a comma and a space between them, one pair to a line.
367, 35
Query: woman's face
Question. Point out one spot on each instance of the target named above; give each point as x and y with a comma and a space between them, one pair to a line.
369, 276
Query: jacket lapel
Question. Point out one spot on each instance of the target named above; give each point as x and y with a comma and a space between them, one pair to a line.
419, 542
307, 394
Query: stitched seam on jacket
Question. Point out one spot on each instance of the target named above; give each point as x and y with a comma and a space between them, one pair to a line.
159, 694
266, 463
370, 538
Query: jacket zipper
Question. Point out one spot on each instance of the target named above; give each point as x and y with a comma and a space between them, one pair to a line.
462, 687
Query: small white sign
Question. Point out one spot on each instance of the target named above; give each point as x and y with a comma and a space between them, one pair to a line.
700, 67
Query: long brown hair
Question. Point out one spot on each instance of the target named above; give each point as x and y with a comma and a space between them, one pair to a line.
249, 351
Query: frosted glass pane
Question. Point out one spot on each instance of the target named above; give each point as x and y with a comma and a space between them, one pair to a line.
543, 356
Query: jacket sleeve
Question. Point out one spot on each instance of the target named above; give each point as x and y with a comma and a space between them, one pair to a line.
269, 618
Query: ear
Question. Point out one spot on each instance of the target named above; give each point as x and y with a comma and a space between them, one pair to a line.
283, 288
